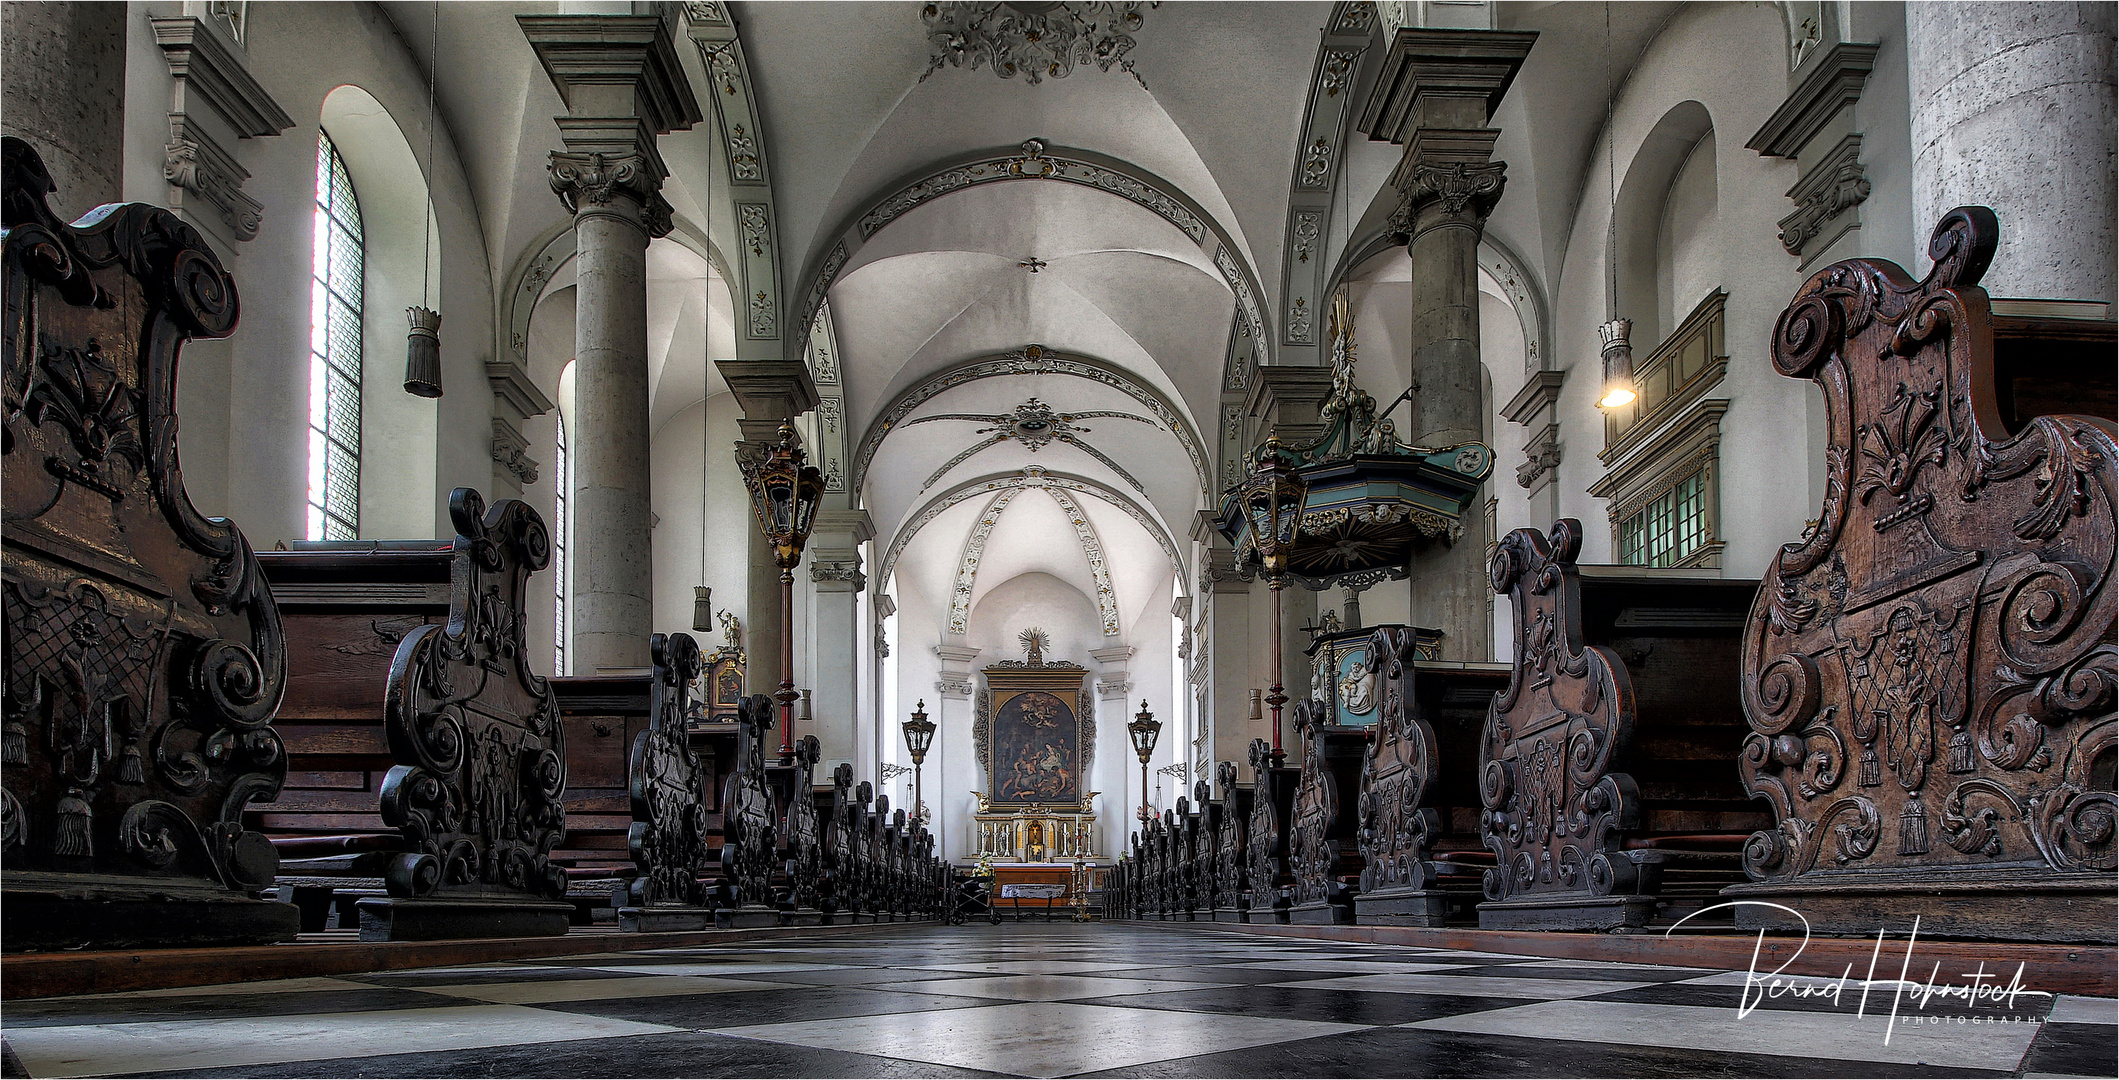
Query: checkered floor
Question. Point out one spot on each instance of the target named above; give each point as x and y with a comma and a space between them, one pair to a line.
1041, 1001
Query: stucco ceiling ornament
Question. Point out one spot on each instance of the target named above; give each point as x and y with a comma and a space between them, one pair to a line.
1033, 39
1034, 424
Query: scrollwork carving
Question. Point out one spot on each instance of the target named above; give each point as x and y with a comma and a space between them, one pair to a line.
1929, 671
668, 839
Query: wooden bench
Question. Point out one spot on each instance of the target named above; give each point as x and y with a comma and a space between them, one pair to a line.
1324, 852
1928, 673
1608, 764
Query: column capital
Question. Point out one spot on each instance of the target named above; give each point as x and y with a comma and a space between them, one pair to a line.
615, 65
855, 524
1442, 78
1287, 398
626, 186
772, 390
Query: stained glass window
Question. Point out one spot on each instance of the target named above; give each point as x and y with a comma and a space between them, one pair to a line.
336, 268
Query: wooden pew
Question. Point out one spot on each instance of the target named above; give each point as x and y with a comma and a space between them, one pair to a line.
673, 838
1232, 866
479, 785
1324, 852
1266, 835
1607, 765
1928, 673
1205, 862
798, 876
745, 897
144, 652
1424, 858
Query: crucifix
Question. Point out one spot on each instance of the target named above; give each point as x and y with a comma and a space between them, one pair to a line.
1034, 265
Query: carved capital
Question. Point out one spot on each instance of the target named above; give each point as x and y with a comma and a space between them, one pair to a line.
594, 181
1542, 459
195, 163
1836, 184
1452, 193
844, 571
511, 450
956, 684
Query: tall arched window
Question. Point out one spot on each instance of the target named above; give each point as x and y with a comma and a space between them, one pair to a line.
336, 266
562, 488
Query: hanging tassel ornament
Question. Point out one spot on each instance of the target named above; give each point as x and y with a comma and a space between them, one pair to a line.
702, 609
70, 833
14, 744
1913, 829
1961, 752
423, 353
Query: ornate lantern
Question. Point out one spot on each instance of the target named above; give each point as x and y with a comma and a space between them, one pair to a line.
785, 493
1143, 731
919, 735
1271, 498
1618, 390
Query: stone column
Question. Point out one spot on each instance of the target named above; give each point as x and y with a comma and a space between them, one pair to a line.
2013, 108
953, 711
1435, 96
771, 393
65, 95
836, 581
623, 85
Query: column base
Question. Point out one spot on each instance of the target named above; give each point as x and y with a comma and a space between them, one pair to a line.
2076, 909
1321, 913
801, 917
396, 918
1231, 915
751, 917
42, 912
656, 920
1601, 913
1404, 907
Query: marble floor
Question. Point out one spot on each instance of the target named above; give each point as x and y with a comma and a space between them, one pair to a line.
1044, 1001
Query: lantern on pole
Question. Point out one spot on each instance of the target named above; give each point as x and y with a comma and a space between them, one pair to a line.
1143, 731
1271, 499
785, 493
919, 735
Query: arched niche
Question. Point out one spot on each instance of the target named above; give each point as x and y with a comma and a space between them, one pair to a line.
1666, 212
402, 253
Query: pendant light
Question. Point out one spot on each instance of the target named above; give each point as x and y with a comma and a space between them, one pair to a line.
1617, 390
423, 340
702, 594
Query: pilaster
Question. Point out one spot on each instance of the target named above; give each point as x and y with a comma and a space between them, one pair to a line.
836, 581
1818, 128
1285, 400
213, 104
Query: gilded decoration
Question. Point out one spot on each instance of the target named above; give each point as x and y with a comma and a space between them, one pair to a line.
1035, 732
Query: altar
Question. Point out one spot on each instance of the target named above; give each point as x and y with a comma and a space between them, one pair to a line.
1035, 728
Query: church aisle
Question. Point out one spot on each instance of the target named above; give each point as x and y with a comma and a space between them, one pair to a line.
1041, 1001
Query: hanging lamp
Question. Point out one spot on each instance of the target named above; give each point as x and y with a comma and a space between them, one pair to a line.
1617, 389
423, 340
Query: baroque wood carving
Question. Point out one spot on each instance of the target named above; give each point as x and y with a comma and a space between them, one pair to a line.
1928, 673
481, 755
669, 839
1232, 866
1398, 824
145, 656
1554, 810
802, 833
1266, 845
1312, 856
748, 845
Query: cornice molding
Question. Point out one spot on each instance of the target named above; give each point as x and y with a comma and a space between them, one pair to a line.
198, 59
1834, 83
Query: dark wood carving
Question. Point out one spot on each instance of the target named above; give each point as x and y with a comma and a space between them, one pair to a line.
670, 840
1928, 673
835, 896
801, 833
1232, 867
749, 846
144, 653
1556, 810
1399, 824
477, 792
1204, 861
1266, 835
1323, 852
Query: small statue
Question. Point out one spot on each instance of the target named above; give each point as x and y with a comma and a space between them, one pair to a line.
731, 631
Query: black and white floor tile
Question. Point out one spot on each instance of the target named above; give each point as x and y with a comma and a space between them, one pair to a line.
1043, 1001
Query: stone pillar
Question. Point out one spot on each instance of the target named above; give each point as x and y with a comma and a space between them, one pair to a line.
65, 95
771, 393
874, 750
623, 85
836, 581
953, 711
1435, 95
1285, 401
2013, 108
